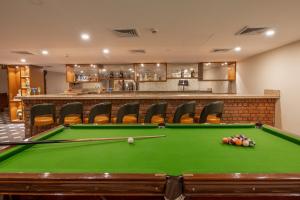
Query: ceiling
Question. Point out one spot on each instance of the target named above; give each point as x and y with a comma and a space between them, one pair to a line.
187, 29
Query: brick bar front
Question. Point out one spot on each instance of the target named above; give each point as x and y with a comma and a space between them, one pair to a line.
236, 110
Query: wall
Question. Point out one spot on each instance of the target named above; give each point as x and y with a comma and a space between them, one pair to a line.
275, 69
56, 82
3, 81
194, 84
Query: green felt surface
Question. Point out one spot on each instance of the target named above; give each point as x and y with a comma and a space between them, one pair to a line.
185, 149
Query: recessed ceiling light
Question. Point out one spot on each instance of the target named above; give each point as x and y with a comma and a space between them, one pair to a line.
105, 51
142, 65
85, 36
23, 60
269, 33
45, 52
237, 49
157, 64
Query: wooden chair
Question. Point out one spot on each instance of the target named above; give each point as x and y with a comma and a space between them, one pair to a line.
100, 113
212, 113
156, 113
71, 113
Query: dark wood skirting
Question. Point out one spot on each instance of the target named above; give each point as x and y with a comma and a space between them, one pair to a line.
82, 184
195, 186
242, 185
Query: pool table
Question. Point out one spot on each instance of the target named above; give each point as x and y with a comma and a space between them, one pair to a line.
189, 161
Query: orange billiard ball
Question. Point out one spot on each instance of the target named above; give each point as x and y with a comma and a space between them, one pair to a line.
225, 140
238, 142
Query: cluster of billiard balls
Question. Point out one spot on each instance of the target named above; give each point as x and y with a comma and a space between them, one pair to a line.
239, 140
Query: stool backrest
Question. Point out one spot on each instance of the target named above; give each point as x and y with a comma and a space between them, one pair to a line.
42, 109
69, 109
100, 109
183, 109
213, 108
128, 109
156, 109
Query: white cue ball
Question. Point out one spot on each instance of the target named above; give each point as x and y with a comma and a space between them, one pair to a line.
130, 140
245, 143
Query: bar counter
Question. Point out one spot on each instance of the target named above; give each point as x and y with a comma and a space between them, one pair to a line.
237, 108
146, 95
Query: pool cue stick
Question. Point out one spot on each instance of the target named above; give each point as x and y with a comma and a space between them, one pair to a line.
78, 140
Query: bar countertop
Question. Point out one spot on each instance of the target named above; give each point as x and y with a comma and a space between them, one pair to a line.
139, 95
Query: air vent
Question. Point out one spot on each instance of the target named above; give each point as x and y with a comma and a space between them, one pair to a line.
252, 31
142, 51
220, 50
22, 52
126, 32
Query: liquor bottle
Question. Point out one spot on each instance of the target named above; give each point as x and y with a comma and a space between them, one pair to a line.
193, 73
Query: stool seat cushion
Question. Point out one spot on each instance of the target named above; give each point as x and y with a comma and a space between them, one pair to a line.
101, 119
72, 119
43, 120
212, 119
127, 119
187, 120
157, 119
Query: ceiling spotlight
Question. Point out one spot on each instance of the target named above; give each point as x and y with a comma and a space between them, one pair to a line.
157, 64
142, 65
85, 36
269, 33
45, 52
105, 51
237, 49
23, 60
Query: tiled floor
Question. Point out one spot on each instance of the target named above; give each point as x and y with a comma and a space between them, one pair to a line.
10, 131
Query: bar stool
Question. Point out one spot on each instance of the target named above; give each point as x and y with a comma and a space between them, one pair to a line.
127, 114
212, 113
71, 113
100, 113
42, 115
156, 113
185, 113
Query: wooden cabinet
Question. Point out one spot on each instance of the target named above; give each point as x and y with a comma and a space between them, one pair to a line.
82, 73
151, 72
182, 71
23, 80
70, 74
217, 71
